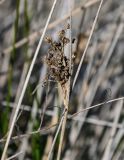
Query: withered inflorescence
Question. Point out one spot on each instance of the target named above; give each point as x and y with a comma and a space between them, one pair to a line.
57, 62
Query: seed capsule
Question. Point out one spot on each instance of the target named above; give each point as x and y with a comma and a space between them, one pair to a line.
48, 39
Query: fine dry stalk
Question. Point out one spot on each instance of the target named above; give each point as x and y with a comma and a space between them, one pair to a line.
66, 88
74, 117
66, 91
88, 42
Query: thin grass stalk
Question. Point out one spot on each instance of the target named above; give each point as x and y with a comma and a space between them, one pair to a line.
97, 105
26, 82
63, 129
67, 88
27, 108
76, 118
88, 120
88, 42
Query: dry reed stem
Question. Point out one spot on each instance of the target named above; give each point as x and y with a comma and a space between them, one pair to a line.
26, 82
66, 102
66, 88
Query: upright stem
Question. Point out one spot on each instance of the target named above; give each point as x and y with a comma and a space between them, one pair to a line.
66, 88
66, 102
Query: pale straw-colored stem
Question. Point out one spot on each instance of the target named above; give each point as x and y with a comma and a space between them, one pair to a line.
66, 90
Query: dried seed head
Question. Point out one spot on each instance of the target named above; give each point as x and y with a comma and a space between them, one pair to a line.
61, 34
66, 40
48, 39
57, 62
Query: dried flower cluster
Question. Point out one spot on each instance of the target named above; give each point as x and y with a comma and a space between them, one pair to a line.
57, 62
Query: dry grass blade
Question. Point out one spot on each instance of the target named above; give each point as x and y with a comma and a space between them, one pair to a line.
26, 83
75, 117
62, 135
97, 105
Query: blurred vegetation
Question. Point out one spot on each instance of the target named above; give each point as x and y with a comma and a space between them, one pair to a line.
86, 137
